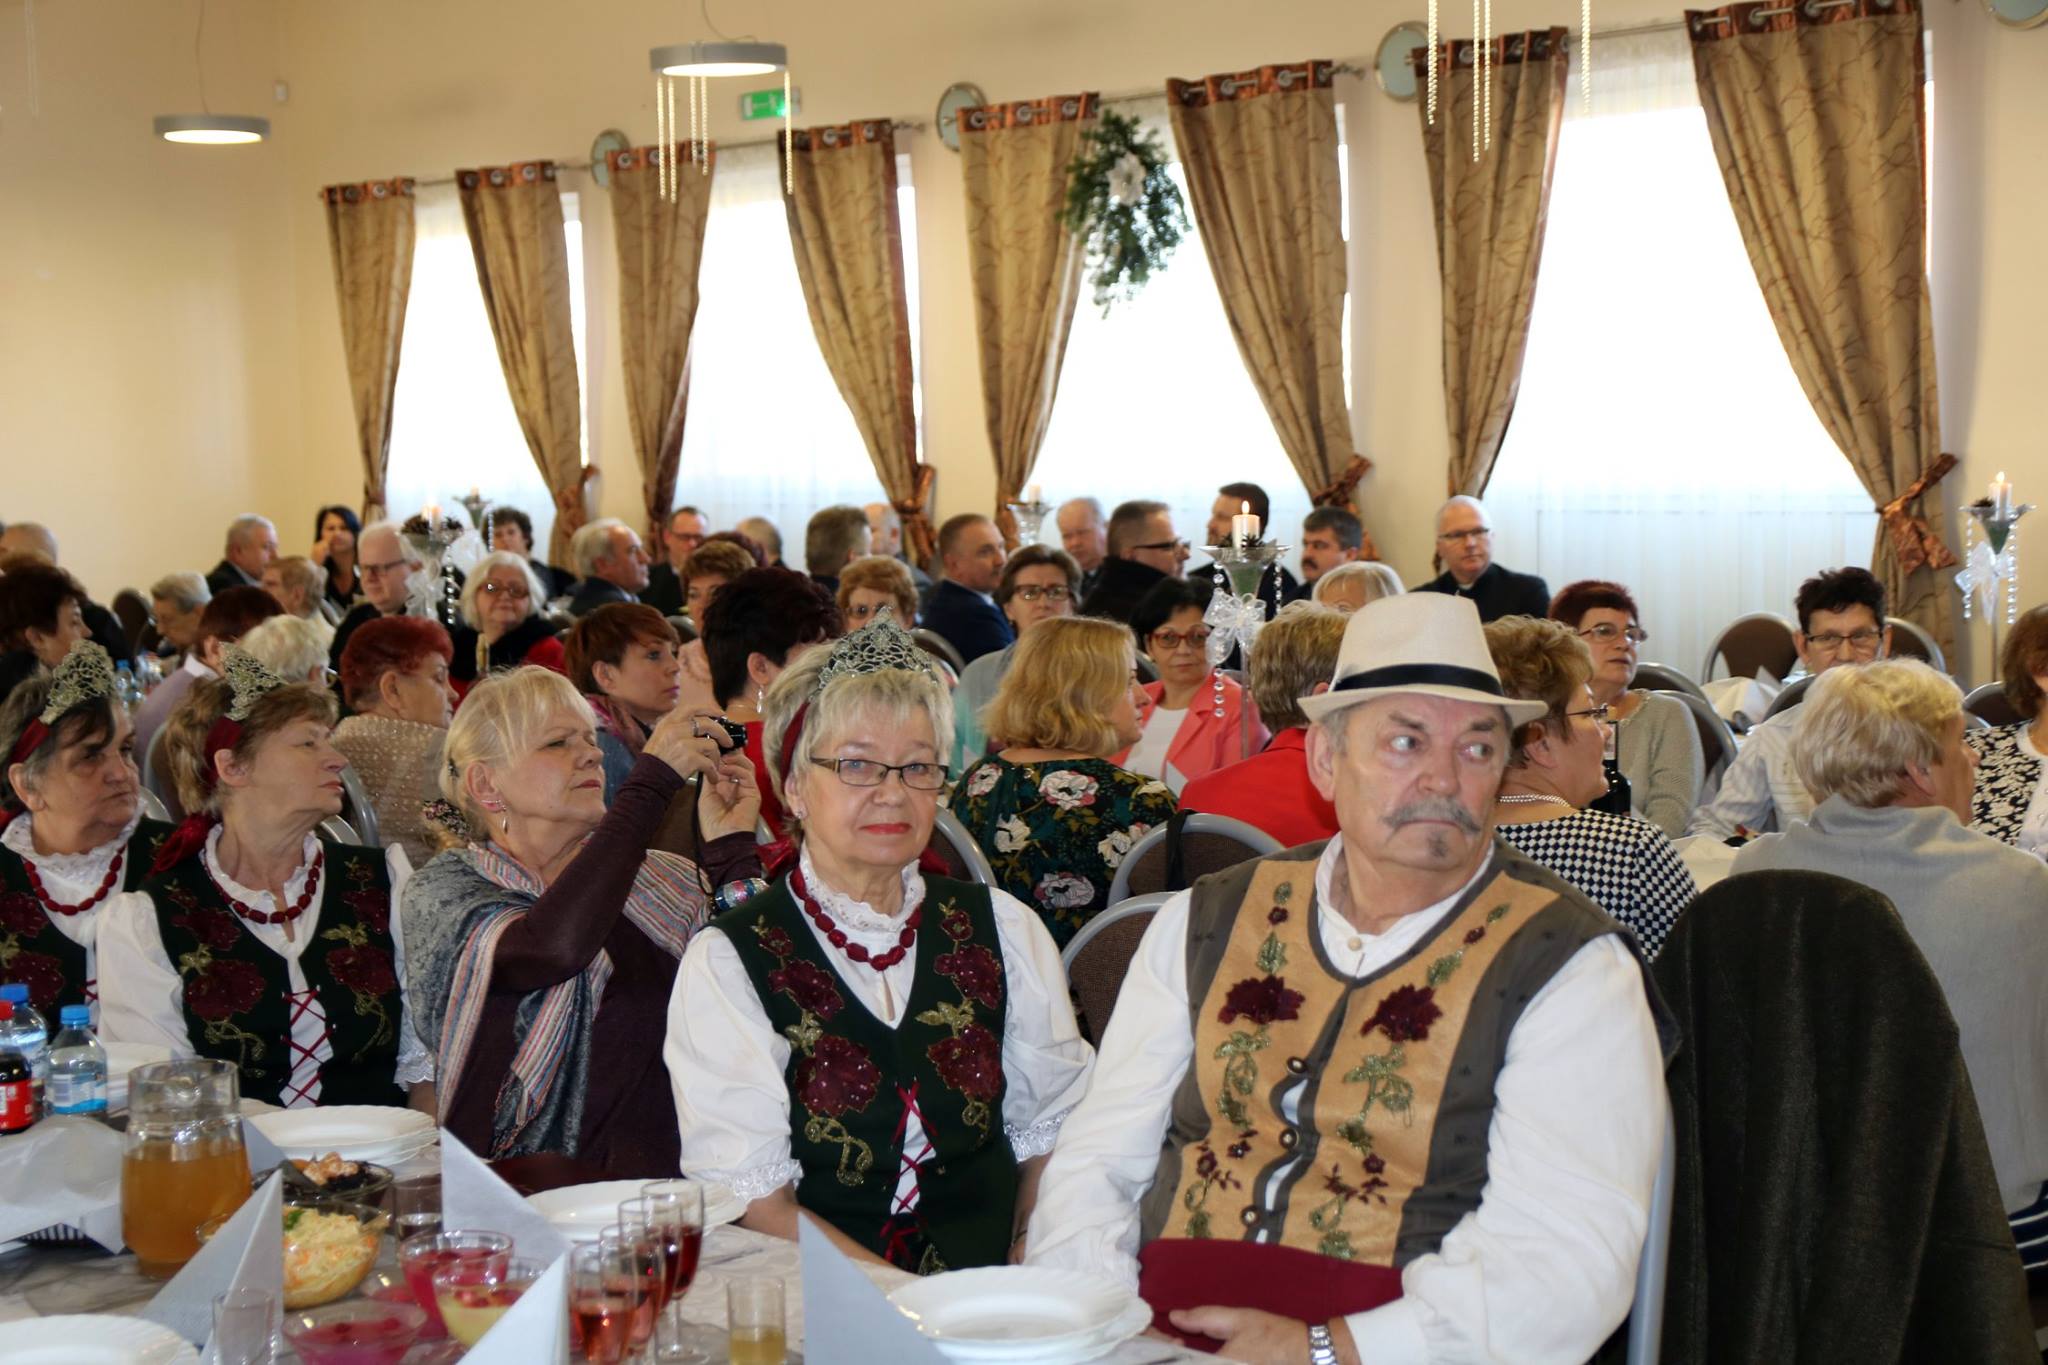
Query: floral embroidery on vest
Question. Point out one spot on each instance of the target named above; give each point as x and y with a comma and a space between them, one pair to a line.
218, 990
1260, 1000
971, 1061
360, 965
836, 1077
22, 921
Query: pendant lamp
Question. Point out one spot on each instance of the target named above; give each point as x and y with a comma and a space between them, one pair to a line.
698, 64
208, 128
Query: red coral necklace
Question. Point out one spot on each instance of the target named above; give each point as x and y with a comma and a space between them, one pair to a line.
881, 962
290, 912
57, 907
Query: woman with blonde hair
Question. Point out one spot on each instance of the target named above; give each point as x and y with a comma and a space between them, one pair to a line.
1050, 809
873, 582
502, 625
549, 942
1350, 586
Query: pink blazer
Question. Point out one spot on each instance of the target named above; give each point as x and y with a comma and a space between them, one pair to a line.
1204, 743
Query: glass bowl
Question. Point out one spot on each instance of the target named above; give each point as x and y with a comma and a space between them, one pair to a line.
328, 1249
359, 1332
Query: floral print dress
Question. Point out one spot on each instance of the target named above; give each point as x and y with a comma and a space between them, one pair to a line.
1056, 831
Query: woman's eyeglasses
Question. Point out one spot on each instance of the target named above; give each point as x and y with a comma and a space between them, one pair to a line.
1607, 632
1058, 592
1170, 640
518, 592
867, 772
1862, 641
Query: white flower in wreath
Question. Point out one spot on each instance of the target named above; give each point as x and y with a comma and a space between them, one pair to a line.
984, 780
1116, 846
1011, 834
1064, 891
1127, 180
1069, 791
1153, 788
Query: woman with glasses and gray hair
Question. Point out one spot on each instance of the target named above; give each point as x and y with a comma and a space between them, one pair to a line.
1658, 746
887, 1049
1039, 583
1557, 770
502, 625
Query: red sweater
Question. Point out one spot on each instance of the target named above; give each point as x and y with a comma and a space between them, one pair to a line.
1270, 790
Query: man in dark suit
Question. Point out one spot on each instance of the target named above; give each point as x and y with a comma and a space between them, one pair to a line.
961, 609
385, 562
1143, 550
833, 539
252, 544
1464, 542
684, 533
614, 567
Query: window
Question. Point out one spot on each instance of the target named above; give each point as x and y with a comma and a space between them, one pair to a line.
452, 423
768, 433
1154, 401
1661, 438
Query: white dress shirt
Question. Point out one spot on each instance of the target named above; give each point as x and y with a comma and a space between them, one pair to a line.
726, 1061
1542, 1271
1761, 791
69, 878
143, 997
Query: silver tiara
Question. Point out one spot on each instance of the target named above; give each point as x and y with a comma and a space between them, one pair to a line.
250, 679
86, 674
879, 644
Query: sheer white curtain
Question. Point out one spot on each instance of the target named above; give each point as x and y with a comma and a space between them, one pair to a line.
1154, 401
452, 424
1660, 438
767, 432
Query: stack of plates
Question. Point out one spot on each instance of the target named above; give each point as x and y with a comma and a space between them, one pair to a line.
1022, 1313
383, 1134
93, 1339
580, 1212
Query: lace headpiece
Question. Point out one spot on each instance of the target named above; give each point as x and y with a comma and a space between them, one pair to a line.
879, 644
86, 675
249, 681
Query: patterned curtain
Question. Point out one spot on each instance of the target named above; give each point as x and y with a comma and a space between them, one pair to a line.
660, 247
848, 238
1026, 269
370, 236
1819, 125
1260, 152
514, 216
1491, 203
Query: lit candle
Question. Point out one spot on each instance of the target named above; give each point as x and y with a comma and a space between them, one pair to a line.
2001, 496
1244, 527
1031, 494
475, 492
433, 513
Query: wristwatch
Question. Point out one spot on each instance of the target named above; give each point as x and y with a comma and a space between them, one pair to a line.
1320, 1349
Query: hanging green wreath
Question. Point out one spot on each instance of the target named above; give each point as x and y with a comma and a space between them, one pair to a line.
1125, 207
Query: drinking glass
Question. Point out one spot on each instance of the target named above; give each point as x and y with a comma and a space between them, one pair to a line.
420, 1257
416, 1205
606, 1293
754, 1322
674, 1211
245, 1327
642, 1251
183, 1163
473, 1295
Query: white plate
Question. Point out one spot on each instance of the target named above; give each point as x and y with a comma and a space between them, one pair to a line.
580, 1212
1085, 1346
1013, 1312
92, 1339
360, 1132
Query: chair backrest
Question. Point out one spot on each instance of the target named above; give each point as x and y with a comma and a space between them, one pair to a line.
1646, 1314
1751, 644
1147, 670
339, 830
1790, 697
1097, 958
1208, 843
356, 807
1990, 705
153, 806
956, 848
1665, 678
684, 627
931, 642
1717, 742
132, 609
1910, 640
156, 778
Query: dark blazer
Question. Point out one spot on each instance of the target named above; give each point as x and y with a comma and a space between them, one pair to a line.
664, 591
1117, 592
595, 592
224, 575
969, 622
107, 632
1498, 592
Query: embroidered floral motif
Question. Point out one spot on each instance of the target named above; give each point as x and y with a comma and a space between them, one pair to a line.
810, 986
835, 1076
20, 914
216, 929
365, 970
1260, 1000
1211, 1176
971, 1060
371, 904
1277, 915
972, 1063
976, 971
222, 989
1406, 1013
41, 973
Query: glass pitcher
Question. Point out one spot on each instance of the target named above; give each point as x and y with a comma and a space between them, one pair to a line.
184, 1164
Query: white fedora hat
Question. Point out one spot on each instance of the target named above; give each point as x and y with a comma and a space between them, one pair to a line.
1420, 642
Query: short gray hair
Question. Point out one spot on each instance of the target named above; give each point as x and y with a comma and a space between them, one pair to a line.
473, 586
499, 723
1863, 725
1094, 506
866, 702
1378, 580
594, 542
392, 529
186, 590
292, 647
240, 527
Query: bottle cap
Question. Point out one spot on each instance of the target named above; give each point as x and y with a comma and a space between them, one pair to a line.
14, 991
6, 1010
81, 1015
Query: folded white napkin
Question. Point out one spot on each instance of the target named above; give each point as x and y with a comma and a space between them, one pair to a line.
535, 1330
473, 1198
64, 1170
247, 1253
836, 1292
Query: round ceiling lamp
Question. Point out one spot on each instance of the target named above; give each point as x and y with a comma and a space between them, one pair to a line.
217, 130
721, 58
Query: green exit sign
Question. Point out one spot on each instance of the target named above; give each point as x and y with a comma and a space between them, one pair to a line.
760, 104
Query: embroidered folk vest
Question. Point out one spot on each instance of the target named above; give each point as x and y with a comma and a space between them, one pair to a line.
33, 950
236, 989
851, 1079
1389, 1078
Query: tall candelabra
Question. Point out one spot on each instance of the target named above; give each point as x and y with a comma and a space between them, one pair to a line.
1991, 558
1030, 517
431, 537
1236, 615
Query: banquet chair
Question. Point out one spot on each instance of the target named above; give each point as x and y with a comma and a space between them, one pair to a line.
1665, 678
156, 778
339, 830
933, 643
1645, 1326
153, 807
1750, 644
1717, 742
956, 848
1097, 958
1147, 670
684, 627
1207, 843
1990, 705
1911, 641
356, 807
1793, 694
131, 609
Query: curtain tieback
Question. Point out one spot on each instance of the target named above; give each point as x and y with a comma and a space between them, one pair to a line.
569, 505
1916, 543
917, 523
1338, 491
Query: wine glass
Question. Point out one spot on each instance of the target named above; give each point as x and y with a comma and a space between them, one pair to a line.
606, 1293
673, 1210
643, 1251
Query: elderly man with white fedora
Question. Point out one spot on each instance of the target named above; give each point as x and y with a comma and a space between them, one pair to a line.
1394, 1097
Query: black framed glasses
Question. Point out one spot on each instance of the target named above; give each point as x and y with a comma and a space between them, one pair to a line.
1601, 712
1607, 633
868, 772
1176, 546
1057, 592
1862, 641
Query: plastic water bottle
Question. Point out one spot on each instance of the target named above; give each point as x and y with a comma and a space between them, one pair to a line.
26, 1033
78, 1065
125, 686
18, 1110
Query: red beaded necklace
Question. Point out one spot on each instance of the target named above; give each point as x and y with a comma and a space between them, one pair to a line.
56, 907
290, 912
881, 962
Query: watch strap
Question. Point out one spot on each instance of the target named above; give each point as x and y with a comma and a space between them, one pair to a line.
1321, 1351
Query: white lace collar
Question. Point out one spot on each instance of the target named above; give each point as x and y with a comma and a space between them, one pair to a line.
89, 866
255, 899
858, 917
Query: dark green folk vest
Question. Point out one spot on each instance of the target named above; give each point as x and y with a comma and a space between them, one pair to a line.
236, 996
851, 1078
33, 950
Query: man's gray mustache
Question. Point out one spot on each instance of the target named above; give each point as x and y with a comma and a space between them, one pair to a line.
1416, 812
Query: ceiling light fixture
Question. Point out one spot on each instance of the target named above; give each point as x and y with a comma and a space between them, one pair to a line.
719, 59
208, 128
699, 63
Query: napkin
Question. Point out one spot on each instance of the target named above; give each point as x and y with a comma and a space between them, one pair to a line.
64, 1170
474, 1198
535, 1330
835, 1291
264, 1155
247, 1253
